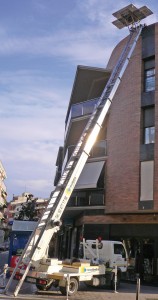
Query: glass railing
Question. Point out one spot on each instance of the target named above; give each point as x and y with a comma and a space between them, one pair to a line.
87, 198
81, 109
98, 150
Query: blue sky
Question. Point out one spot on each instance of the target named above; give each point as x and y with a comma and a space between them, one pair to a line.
41, 44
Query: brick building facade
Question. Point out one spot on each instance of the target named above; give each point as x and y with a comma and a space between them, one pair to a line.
122, 203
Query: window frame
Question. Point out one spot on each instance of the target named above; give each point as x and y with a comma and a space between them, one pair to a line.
147, 180
150, 137
149, 75
148, 122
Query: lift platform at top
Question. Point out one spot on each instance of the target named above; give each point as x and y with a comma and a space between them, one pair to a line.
130, 16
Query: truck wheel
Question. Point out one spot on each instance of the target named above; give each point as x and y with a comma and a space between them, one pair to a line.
118, 281
73, 287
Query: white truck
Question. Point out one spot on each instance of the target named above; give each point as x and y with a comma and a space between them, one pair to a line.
102, 264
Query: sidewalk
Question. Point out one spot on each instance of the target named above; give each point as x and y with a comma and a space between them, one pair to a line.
127, 291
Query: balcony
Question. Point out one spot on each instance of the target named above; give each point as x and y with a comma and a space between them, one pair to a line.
99, 150
87, 198
79, 110
89, 202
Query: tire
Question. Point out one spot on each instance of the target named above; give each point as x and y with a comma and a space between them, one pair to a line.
73, 288
118, 281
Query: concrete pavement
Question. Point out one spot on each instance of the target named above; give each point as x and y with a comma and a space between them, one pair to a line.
127, 291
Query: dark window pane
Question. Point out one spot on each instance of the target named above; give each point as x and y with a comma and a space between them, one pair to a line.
149, 135
150, 72
82, 200
97, 198
119, 249
149, 117
149, 84
72, 201
149, 64
150, 80
99, 149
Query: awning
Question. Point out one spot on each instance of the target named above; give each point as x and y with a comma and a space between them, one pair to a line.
90, 175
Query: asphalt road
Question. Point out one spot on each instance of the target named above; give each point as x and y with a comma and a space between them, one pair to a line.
127, 291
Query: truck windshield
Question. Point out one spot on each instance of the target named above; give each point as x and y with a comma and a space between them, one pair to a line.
119, 249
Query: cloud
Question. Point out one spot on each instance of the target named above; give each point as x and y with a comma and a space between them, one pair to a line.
73, 46
33, 101
39, 187
37, 184
32, 112
89, 43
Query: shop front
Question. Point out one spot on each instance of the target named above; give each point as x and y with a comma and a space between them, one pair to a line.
141, 242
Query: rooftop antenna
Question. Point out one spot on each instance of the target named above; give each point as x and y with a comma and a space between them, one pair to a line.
130, 16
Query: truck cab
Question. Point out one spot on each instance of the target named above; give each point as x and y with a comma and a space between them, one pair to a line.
112, 253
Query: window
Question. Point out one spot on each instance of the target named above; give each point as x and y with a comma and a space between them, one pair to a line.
150, 80
149, 137
149, 75
119, 249
82, 200
87, 198
97, 198
146, 180
99, 149
148, 125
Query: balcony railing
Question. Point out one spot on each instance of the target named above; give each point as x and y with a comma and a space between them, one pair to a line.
87, 198
98, 150
80, 109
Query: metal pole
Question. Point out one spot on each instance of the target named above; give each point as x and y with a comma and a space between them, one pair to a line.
22, 279
67, 286
3, 276
115, 279
138, 289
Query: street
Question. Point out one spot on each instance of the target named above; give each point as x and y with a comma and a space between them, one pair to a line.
127, 291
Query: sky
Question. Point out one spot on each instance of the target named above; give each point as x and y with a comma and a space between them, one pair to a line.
41, 44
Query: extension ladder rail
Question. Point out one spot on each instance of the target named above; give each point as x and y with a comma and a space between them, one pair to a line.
50, 221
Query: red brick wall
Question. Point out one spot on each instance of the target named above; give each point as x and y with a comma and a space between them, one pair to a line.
142, 218
123, 134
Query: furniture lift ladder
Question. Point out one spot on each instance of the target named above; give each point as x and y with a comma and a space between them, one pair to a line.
50, 221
